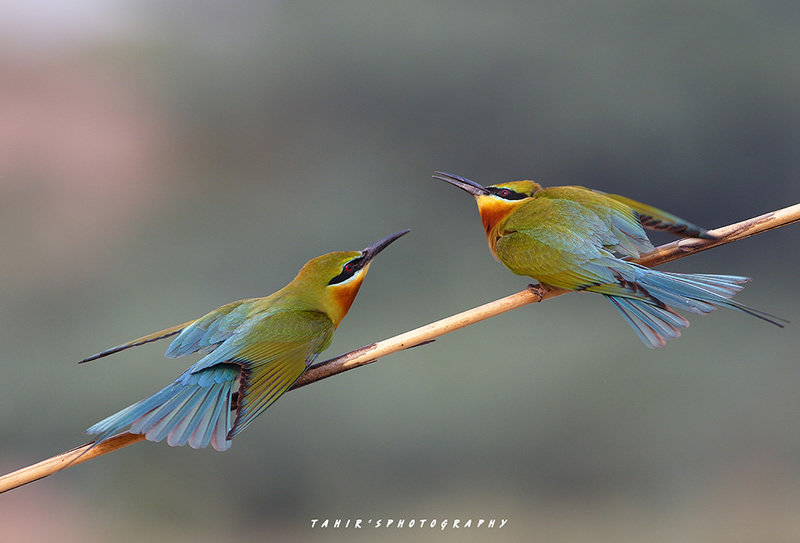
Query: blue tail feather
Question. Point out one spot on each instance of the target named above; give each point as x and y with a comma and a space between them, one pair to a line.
698, 289
642, 301
653, 324
183, 432
195, 409
153, 422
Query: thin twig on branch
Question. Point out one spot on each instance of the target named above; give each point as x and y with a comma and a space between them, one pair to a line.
370, 353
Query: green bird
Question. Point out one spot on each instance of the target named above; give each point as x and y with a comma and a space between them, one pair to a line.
255, 349
576, 238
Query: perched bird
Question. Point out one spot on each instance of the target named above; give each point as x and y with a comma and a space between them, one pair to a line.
255, 349
576, 238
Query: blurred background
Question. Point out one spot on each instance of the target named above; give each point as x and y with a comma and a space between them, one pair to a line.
160, 159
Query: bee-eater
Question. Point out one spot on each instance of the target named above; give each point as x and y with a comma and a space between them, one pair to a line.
576, 238
255, 349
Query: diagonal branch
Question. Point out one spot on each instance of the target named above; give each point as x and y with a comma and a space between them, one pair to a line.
370, 353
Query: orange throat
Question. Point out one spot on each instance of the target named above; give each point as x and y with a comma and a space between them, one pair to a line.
493, 214
342, 298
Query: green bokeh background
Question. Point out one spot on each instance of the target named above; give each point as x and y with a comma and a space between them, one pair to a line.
159, 160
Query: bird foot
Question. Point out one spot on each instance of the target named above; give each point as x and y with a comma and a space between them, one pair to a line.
537, 290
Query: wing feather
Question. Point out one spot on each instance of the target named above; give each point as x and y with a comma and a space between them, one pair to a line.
266, 353
657, 219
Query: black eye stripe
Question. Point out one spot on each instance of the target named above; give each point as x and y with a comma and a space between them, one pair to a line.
506, 193
348, 270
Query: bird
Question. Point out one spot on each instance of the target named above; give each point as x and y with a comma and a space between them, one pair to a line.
579, 239
254, 350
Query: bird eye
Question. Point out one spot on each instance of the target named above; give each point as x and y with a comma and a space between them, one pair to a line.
503, 193
348, 267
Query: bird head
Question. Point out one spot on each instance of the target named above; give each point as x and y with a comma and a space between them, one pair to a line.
495, 202
330, 282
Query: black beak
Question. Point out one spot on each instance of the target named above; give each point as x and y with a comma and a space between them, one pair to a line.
370, 252
464, 184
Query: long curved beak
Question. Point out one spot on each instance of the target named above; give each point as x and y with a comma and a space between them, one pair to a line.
370, 252
464, 184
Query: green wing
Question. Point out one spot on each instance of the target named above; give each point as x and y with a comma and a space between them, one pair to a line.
273, 349
559, 242
656, 219
621, 219
213, 328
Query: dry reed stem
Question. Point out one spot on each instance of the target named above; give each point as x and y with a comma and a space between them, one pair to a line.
370, 353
